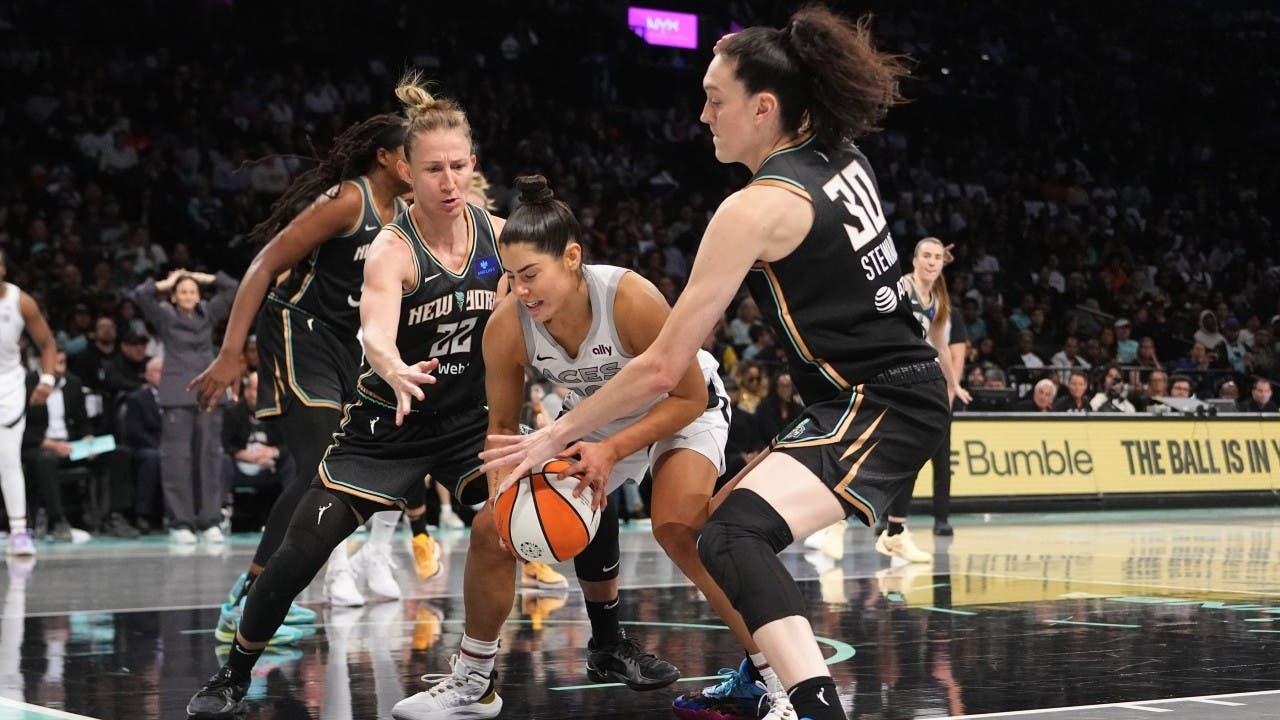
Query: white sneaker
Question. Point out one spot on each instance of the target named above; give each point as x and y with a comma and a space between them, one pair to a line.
182, 536
460, 694
340, 586
901, 545
373, 564
450, 521
780, 707
213, 535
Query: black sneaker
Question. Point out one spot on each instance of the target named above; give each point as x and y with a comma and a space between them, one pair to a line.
942, 528
220, 698
62, 531
117, 526
627, 663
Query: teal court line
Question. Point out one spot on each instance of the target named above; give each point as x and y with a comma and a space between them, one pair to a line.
1264, 631
27, 711
1069, 621
948, 611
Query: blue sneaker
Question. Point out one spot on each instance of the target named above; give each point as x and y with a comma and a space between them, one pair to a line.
297, 615
735, 698
229, 620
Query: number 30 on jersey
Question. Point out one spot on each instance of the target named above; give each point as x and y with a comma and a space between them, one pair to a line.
855, 188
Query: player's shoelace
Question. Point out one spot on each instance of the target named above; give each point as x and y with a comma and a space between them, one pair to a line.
780, 707
444, 683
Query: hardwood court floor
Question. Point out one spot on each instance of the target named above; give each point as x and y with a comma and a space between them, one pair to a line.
1073, 616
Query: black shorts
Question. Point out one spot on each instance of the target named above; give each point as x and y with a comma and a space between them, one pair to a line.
868, 443
302, 359
373, 459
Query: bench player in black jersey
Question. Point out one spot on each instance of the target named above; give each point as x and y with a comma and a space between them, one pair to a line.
306, 333
810, 237
417, 408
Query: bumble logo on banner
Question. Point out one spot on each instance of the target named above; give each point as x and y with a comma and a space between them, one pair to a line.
1079, 456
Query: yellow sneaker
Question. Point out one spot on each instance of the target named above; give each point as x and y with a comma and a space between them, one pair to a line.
901, 545
540, 575
426, 556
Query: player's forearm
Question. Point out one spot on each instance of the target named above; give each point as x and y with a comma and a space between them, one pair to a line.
665, 419
381, 351
253, 288
641, 382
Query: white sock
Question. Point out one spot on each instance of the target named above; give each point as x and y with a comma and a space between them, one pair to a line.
383, 527
478, 655
13, 484
771, 681
338, 559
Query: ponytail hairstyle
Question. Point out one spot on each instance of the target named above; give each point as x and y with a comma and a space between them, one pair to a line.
940, 294
829, 78
540, 219
427, 112
352, 154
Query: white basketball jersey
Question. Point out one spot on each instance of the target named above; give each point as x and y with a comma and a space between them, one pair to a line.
13, 376
600, 356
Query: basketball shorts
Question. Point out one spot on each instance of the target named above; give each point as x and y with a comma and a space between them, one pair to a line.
373, 459
302, 359
868, 443
706, 435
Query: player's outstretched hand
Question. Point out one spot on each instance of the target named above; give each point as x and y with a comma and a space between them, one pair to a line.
221, 374
524, 452
407, 382
593, 467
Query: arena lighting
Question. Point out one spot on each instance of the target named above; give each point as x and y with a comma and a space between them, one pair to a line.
663, 27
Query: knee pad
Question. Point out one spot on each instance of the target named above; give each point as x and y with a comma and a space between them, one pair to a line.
600, 560
739, 547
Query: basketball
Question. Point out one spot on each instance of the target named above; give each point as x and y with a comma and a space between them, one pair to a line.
541, 520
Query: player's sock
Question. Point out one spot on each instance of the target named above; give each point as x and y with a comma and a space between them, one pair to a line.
478, 654
605, 629
241, 660
383, 527
760, 671
896, 528
418, 525
816, 699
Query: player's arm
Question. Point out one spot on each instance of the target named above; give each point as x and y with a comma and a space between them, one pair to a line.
757, 222
389, 269
938, 338
504, 363
40, 334
327, 216
504, 283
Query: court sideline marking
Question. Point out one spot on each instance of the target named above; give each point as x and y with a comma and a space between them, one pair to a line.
1132, 705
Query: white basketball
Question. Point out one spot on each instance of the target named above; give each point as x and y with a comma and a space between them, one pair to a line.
541, 520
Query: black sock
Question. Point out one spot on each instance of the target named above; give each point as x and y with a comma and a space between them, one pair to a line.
753, 672
418, 525
605, 629
816, 699
896, 528
241, 660
250, 577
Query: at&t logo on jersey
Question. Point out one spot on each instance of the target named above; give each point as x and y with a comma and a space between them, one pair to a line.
888, 296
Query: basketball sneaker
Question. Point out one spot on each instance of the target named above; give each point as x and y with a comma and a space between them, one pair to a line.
780, 707
449, 520
627, 663
20, 544
340, 588
901, 546
297, 615
220, 698
541, 575
735, 698
372, 563
426, 556
462, 694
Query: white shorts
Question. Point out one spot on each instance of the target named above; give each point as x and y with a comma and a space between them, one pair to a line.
706, 435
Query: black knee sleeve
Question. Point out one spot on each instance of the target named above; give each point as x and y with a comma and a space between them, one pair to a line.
599, 562
739, 547
321, 521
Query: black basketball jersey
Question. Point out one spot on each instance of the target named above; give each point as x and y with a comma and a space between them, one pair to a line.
327, 283
443, 316
839, 298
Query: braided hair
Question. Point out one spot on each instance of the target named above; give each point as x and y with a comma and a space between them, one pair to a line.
353, 152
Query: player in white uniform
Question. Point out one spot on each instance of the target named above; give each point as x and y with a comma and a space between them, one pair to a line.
19, 312
577, 325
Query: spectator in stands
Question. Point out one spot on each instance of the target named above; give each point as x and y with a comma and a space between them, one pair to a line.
1021, 317
1113, 393
1069, 357
1260, 400
1075, 401
1147, 358
46, 443
740, 328
994, 379
1262, 359
764, 350
90, 363
1041, 399
973, 322
780, 408
191, 441
126, 371
1157, 385
142, 429
254, 447
753, 384
1207, 334
717, 343
1181, 387
1228, 390
1234, 349
532, 413
1126, 346
745, 439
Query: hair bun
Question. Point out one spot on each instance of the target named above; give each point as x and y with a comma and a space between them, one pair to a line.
533, 189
